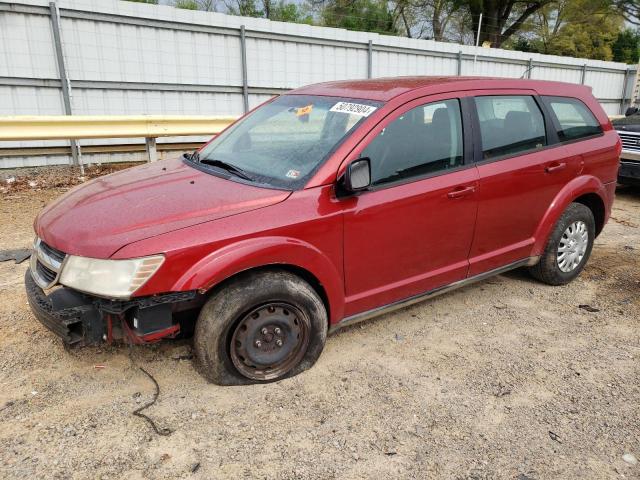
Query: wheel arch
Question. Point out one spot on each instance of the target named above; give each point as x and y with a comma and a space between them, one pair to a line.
596, 204
269, 253
587, 190
300, 272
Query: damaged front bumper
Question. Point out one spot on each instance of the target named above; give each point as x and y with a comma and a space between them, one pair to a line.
81, 319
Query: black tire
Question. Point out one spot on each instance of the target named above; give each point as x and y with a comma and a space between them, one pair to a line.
221, 317
547, 270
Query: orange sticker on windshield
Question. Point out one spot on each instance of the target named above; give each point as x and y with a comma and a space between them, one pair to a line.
304, 110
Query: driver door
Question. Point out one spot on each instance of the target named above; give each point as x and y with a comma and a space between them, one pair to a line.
411, 232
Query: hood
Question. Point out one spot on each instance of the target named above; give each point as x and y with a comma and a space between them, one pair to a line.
627, 124
101, 216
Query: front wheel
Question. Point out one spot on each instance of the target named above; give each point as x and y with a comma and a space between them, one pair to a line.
261, 326
568, 248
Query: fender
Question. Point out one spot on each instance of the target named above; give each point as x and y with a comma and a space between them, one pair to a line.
575, 188
259, 252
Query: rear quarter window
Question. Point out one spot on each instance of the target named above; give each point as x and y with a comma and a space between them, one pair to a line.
573, 119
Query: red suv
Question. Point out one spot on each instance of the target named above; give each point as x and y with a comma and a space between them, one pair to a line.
325, 206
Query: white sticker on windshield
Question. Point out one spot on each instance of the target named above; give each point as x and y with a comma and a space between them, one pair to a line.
353, 108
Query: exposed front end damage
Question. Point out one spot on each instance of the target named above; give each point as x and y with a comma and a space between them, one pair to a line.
81, 319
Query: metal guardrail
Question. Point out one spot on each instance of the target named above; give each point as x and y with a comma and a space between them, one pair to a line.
75, 127
64, 127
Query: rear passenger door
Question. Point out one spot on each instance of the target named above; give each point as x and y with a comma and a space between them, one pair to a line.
521, 169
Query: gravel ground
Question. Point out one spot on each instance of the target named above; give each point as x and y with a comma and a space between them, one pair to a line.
503, 379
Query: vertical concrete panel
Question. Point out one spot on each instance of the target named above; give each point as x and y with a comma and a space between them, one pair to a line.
26, 46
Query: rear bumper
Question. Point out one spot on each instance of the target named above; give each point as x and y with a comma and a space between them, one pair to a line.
630, 155
629, 171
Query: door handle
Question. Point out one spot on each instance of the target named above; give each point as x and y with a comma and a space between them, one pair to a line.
460, 192
555, 167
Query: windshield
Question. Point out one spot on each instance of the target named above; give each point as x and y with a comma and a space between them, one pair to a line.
283, 142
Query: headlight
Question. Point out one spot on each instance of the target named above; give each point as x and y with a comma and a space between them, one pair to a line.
108, 278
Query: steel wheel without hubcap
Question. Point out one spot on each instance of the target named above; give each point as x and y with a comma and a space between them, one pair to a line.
573, 246
269, 341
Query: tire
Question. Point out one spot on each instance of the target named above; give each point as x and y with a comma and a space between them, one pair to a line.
234, 321
548, 269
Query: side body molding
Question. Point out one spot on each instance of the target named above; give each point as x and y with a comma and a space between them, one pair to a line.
577, 187
264, 251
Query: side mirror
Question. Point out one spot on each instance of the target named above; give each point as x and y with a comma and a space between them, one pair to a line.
358, 175
631, 111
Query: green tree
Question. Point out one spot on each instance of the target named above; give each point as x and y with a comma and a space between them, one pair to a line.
509, 21
361, 15
206, 5
626, 47
245, 8
592, 40
501, 19
187, 4
433, 19
576, 28
290, 12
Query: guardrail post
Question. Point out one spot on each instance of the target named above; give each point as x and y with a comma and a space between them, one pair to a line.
529, 68
245, 80
370, 59
584, 74
459, 63
152, 152
64, 80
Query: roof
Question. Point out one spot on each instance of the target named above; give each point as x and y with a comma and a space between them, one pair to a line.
384, 89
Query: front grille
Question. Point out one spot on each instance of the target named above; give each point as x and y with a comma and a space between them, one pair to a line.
52, 252
46, 263
45, 273
630, 141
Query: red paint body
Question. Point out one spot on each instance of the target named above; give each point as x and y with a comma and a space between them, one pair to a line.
367, 250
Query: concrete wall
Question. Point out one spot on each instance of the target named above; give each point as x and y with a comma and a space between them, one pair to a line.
131, 58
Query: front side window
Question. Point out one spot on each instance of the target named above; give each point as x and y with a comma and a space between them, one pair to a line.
424, 140
283, 142
575, 120
509, 125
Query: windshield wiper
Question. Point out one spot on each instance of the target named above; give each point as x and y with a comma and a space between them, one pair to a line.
237, 171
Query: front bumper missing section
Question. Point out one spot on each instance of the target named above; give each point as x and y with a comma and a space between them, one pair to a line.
81, 319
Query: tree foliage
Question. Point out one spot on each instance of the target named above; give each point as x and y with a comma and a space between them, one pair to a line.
501, 19
579, 28
626, 47
576, 28
187, 4
291, 12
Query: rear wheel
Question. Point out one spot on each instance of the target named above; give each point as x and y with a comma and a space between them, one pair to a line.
568, 248
261, 326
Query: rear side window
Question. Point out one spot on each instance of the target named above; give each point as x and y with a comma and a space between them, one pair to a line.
509, 125
422, 141
574, 119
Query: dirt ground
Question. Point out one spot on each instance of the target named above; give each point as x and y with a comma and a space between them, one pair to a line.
503, 379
